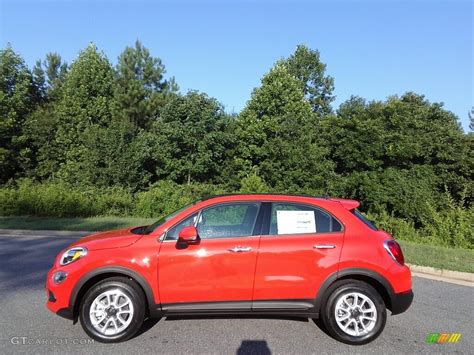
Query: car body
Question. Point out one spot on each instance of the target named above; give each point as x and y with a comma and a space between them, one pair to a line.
236, 254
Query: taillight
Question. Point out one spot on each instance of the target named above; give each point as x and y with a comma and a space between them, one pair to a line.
393, 248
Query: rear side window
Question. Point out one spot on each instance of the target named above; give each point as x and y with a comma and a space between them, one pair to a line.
364, 220
290, 218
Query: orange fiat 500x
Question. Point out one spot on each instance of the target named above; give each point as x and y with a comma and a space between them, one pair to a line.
236, 254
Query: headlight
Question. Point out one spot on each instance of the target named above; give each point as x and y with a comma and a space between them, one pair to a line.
71, 255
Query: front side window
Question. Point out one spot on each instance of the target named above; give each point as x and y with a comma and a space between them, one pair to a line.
173, 233
228, 220
149, 229
289, 218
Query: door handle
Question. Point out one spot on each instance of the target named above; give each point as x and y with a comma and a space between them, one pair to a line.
324, 246
240, 249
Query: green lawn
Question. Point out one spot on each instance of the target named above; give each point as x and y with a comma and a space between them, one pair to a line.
438, 257
72, 224
418, 254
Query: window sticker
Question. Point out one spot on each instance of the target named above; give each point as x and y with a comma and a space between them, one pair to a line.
295, 222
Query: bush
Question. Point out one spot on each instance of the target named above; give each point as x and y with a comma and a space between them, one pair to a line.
56, 199
165, 197
452, 227
253, 184
398, 227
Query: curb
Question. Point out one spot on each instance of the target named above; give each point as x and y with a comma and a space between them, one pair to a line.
461, 278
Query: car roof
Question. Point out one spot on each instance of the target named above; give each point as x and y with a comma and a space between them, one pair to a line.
346, 203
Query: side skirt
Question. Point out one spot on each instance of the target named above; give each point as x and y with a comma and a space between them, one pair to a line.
291, 308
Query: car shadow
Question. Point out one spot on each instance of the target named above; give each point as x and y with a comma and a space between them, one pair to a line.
319, 323
236, 316
148, 324
254, 347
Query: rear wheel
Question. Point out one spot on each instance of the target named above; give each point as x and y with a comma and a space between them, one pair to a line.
113, 310
354, 313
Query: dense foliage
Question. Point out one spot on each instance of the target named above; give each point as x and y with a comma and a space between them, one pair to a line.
91, 138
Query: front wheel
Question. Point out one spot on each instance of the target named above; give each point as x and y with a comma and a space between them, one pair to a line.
113, 310
354, 313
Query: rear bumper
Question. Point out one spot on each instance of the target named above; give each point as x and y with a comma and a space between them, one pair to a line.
400, 302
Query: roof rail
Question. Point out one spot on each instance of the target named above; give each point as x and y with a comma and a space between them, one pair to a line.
208, 197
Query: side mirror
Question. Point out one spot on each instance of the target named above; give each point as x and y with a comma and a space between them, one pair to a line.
188, 234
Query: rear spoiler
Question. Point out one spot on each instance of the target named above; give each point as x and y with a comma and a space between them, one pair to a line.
347, 204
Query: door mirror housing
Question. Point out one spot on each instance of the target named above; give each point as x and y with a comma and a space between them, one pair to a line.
188, 234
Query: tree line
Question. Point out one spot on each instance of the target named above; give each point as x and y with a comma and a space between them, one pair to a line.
91, 124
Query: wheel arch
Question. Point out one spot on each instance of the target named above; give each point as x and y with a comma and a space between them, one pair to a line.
97, 275
373, 278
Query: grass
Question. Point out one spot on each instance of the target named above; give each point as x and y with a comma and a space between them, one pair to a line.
72, 224
438, 257
418, 254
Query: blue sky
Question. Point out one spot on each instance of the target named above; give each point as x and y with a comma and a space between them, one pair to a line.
372, 48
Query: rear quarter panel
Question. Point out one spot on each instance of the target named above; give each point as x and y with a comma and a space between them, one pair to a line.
364, 249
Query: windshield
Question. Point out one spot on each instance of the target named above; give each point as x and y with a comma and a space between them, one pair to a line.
364, 219
152, 227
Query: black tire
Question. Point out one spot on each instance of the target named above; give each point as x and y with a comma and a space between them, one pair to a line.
335, 293
128, 287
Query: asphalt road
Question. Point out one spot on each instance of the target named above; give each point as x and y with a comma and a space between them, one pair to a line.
27, 326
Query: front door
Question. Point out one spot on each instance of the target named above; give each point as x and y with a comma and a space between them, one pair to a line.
219, 267
301, 247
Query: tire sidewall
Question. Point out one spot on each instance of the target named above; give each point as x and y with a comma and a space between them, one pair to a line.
330, 320
132, 291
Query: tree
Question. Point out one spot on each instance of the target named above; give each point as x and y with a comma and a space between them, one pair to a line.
48, 75
18, 97
86, 100
471, 119
40, 126
141, 90
115, 157
276, 137
306, 66
191, 139
402, 143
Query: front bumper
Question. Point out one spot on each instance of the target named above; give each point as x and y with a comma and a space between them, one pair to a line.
400, 302
58, 295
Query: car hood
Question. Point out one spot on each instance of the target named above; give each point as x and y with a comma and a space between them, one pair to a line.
108, 240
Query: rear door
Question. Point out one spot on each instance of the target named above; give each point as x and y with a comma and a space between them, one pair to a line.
217, 272
300, 246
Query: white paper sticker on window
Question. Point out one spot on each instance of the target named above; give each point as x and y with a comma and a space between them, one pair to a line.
295, 222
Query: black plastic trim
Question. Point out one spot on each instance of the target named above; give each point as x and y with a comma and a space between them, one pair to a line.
301, 305
51, 297
401, 302
207, 307
209, 197
369, 273
267, 206
297, 308
154, 312
65, 313
398, 302
257, 228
